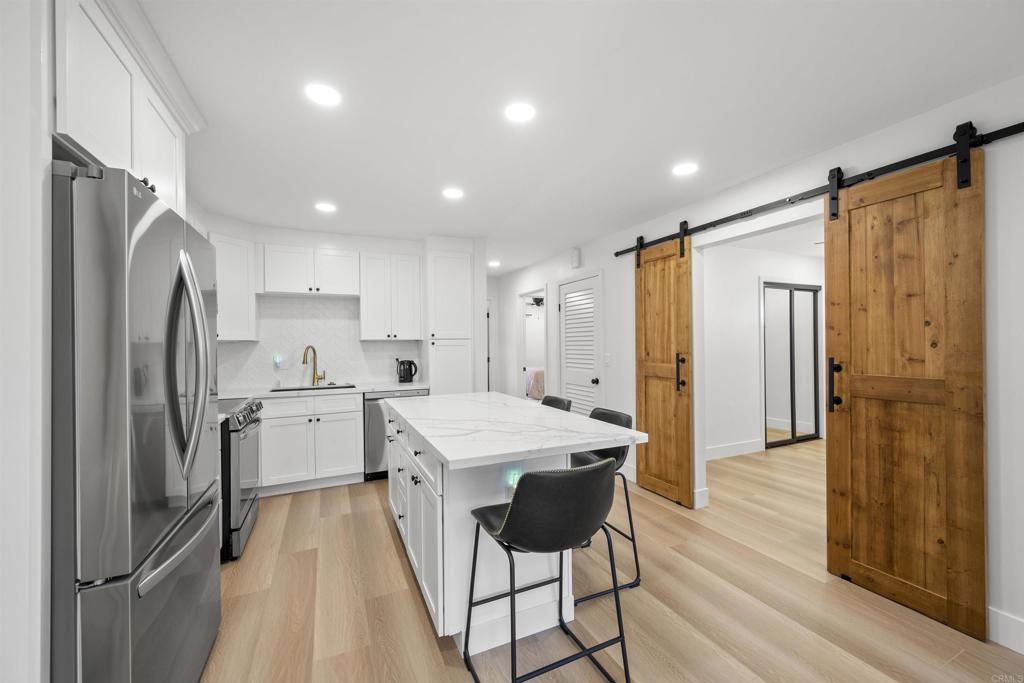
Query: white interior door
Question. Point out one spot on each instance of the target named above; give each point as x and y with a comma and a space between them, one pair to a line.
581, 343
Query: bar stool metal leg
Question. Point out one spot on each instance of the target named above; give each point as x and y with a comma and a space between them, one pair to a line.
584, 651
631, 537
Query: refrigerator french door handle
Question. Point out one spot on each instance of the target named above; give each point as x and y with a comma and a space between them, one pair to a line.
154, 577
201, 337
185, 286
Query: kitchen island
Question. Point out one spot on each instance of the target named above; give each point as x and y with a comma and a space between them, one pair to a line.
452, 453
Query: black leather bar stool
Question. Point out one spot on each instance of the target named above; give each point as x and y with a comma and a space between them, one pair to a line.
619, 455
557, 402
550, 512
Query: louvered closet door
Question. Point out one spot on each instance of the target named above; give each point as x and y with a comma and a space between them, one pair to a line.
580, 342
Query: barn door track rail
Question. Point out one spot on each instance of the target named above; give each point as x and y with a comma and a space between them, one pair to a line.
965, 138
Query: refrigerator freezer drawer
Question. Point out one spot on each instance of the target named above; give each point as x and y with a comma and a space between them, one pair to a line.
159, 625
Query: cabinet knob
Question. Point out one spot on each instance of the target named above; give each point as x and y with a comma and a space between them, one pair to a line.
309, 420
400, 470
318, 289
318, 419
311, 289
415, 480
417, 453
401, 516
390, 420
398, 431
431, 334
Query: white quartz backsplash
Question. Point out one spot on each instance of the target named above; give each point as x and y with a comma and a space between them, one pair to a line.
286, 324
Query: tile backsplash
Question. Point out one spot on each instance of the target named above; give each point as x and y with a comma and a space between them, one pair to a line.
286, 324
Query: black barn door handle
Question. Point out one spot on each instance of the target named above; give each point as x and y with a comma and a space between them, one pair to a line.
833, 400
680, 382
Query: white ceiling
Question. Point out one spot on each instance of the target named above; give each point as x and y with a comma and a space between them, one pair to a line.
804, 239
623, 90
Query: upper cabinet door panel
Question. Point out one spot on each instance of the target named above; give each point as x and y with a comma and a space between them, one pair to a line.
337, 272
95, 78
451, 295
288, 269
236, 287
158, 142
374, 296
406, 297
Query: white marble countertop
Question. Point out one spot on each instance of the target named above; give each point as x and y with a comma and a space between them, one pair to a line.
472, 430
360, 388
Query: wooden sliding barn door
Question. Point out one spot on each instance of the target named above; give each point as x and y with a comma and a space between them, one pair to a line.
905, 325
663, 377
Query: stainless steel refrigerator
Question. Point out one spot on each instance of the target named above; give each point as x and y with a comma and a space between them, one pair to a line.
135, 490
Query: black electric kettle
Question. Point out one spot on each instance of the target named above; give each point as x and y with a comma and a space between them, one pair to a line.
406, 370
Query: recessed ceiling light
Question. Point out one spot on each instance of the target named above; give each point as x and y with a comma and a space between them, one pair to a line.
685, 168
322, 94
494, 264
325, 207
452, 193
520, 112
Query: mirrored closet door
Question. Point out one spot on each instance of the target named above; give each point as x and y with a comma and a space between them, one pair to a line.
792, 374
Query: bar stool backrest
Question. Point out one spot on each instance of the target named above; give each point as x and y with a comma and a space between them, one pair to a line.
556, 402
559, 510
618, 453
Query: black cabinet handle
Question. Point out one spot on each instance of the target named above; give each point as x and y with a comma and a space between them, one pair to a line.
318, 419
401, 516
680, 382
595, 381
398, 431
311, 289
400, 470
833, 400
417, 453
415, 480
309, 420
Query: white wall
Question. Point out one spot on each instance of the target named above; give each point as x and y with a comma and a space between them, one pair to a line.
989, 109
732, 359
26, 120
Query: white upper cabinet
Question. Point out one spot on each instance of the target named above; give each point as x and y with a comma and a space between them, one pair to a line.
158, 146
391, 302
95, 76
450, 295
374, 296
303, 270
288, 269
107, 103
236, 288
406, 297
336, 272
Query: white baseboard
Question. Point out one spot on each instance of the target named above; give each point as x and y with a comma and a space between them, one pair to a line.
311, 484
1006, 629
700, 498
728, 450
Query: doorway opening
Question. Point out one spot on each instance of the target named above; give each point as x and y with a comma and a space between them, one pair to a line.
533, 344
791, 361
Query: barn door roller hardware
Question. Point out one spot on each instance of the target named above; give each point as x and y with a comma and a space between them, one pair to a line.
835, 180
684, 226
965, 138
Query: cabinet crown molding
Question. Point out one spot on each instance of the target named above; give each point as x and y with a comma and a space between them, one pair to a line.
132, 26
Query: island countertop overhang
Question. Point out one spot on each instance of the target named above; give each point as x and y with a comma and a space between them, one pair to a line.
480, 429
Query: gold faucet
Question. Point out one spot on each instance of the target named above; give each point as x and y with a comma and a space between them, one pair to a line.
317, 377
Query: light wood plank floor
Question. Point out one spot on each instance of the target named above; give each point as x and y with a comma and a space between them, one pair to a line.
735, 592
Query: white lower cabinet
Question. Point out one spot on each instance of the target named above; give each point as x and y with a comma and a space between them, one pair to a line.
288, 448
339, 444
417, 510
305, 438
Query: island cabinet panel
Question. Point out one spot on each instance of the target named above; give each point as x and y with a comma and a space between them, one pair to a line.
428, 518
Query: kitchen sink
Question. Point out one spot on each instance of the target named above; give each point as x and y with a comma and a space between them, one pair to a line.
319, 386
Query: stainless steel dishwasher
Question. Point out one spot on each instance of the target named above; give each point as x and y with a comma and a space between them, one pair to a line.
375, 452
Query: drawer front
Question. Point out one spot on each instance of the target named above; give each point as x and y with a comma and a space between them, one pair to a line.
338, 404
427, 464
287, 407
